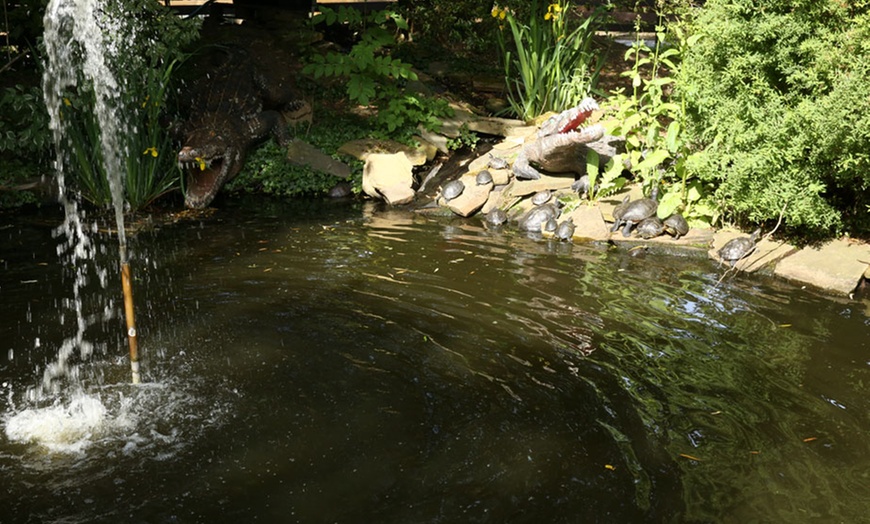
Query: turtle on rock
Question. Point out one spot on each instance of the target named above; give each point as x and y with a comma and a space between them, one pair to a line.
581, 186
565, 231
634, 212
650, 228
676, 226
538, 216
452, 190
496, 217
738, 248
541, 197
483, 178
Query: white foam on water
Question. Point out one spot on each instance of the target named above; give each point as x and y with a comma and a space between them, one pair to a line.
61, 428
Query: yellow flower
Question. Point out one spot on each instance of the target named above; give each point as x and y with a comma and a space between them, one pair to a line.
151, 150
553, 11
66, 102
201, 163
498, 12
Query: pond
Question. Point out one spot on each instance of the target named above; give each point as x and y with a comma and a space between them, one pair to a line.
314, 362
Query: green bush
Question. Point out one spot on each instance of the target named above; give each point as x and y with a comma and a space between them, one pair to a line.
372, 74
779, 94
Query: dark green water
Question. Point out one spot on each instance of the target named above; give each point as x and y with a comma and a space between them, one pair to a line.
322, 363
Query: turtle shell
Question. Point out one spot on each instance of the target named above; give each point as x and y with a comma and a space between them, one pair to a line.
581, 185
637, 211
496, 217
737, 248
650, 227
537, 216
497, 162
483, 178
452, 189
565, 231
541, 197
551, 224
676, 225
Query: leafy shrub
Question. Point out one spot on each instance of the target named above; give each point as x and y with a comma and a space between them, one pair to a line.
373, 75
25, 143
778, 93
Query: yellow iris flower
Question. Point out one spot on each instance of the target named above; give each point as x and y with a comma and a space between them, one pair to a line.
150, 151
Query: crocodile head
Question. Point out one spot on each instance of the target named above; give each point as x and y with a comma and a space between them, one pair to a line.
209, 161
560, 143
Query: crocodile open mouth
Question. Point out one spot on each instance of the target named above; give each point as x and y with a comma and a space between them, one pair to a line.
569, 120
579, 115
203, 178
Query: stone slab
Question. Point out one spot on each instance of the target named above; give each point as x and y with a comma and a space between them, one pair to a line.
301, 153
767, 252
472, 198
362, 148
837, 266
529, 187
588, 223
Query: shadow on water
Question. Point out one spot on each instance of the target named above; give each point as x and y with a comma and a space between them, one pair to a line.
309, 362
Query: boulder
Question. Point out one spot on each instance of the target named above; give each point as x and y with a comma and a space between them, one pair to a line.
389, 176
472, 198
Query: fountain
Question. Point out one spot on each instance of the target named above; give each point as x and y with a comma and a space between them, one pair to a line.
74, 36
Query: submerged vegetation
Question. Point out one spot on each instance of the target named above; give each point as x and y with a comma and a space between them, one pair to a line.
738, 114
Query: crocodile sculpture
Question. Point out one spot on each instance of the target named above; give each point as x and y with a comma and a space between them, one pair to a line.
232, 107
559, 146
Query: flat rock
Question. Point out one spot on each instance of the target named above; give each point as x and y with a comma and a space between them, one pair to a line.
472, 198
362, 148
529, 187
767, 252
837, 266
301, 153
588, 223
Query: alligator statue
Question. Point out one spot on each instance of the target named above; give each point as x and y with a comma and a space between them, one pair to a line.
232, 108
559, 146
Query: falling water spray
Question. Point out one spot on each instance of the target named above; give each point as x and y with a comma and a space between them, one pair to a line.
73, 34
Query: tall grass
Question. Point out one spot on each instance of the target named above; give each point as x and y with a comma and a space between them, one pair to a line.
548, 62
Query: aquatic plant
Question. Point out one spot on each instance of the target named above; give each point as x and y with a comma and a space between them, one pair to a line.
143, 57
548, 62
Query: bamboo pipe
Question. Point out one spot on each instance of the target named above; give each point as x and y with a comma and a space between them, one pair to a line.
126, 283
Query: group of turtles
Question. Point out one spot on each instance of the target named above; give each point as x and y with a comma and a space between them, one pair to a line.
639, 215
643, 214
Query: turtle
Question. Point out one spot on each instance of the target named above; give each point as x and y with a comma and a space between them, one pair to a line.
565, 231
483, 178
551, 224
581, 185
737, 248
541, 197
496, 217
634, 212
676, 225
538, 216
618, 211
497, 162
452, 190
650, 227
340, 190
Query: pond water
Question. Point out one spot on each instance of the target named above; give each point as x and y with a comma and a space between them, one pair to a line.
311, 362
